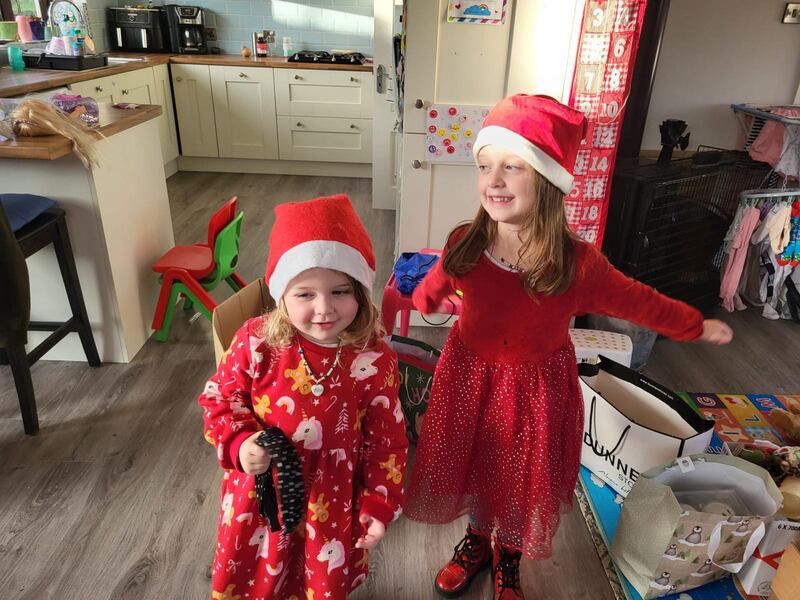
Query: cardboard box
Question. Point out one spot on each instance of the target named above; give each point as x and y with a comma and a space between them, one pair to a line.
228, 316
759, 571
786, 584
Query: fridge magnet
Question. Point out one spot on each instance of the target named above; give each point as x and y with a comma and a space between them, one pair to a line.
480, 12
451, 130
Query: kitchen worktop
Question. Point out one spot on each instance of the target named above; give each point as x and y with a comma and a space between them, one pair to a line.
13, 83
51, 147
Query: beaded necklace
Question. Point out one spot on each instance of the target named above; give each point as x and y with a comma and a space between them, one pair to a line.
317, 388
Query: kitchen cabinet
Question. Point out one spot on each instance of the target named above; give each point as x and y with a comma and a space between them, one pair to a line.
244, 112
166, 126
143, 86
194, 106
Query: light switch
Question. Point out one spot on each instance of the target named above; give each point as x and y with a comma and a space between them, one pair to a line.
792, 13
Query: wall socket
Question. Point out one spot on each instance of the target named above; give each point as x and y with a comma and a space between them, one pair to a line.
211, 33
792, 13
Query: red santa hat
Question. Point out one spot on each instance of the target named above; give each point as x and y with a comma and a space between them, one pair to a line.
538, 129
325, 232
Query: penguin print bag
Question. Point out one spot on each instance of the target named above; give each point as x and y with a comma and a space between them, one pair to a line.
692, 521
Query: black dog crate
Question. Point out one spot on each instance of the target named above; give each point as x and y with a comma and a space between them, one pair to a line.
667, 221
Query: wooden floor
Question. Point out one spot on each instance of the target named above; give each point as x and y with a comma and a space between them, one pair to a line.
116, 498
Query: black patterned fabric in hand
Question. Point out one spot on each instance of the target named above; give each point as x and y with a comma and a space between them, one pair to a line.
290, 482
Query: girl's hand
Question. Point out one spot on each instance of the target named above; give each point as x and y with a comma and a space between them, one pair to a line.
716, 332
375, 532
253, 458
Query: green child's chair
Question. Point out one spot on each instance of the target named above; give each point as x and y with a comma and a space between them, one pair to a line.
185, 272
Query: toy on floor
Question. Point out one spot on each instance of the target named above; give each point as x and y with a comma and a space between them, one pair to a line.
788, 420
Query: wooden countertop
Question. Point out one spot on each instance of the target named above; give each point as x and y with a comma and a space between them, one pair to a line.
13, 83
50, 147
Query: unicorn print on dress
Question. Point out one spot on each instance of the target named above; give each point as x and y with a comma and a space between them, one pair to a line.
227, 509
333, 553
309, 431
363, 367
261, 538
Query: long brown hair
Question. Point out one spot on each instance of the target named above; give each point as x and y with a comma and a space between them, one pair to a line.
547, 255
362, 333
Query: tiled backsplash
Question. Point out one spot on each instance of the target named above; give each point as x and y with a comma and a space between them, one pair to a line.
312, 24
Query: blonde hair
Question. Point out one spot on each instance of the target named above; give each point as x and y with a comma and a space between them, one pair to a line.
547, 255
362, 333
33, 118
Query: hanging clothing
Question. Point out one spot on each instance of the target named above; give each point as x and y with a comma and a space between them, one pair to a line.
775, 225
732, 271
779, 145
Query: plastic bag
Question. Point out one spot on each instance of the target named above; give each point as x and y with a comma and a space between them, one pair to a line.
411, 268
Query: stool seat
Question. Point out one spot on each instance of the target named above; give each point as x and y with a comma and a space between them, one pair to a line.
197, 260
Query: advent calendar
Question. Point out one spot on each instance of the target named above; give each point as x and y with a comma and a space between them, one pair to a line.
607, 50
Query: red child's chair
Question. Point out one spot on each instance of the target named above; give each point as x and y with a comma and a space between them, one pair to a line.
191, 271
394, 302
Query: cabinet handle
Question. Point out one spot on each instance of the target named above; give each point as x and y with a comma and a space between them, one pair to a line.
124, 92
352, 126
299, 124
297, 77
179, 79
242, 74
354, 79
415, 164
418, 103
98, 89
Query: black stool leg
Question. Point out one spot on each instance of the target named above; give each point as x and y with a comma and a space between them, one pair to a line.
22, 378
69, 273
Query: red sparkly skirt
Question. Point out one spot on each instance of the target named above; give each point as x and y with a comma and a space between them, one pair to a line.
500, 442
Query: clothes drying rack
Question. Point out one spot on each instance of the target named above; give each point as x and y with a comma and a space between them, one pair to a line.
760, 114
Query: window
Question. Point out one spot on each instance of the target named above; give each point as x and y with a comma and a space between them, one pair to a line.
11, 8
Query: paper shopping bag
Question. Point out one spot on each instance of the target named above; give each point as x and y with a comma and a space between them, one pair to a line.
695, 520
416, 362
632, 424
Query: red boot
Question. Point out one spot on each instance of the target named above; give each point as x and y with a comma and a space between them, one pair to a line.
472, 554
505, 571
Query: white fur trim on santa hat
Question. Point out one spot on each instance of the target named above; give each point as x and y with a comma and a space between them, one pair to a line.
495, 135
324, 254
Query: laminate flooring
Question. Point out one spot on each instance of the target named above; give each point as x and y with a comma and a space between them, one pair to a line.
116, 498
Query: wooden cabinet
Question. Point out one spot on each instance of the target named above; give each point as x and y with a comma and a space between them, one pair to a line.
138, 87
194, 106
312, 93
244, 112
325, 139
166, 126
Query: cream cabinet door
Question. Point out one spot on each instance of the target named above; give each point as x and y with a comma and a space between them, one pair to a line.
434, 198
166, 124
101, 89
194, 107
319, 93
244, 110
325, 139
136, 86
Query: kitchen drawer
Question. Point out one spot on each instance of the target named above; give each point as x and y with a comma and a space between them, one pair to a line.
312, 93
325, 139
101, 89
138, 87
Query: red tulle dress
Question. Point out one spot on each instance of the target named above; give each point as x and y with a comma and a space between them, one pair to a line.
501, 439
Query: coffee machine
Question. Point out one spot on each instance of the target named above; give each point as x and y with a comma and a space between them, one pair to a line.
187, 32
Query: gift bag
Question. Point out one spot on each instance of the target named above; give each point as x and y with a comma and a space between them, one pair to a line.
632, 424
692, 521
411, 268
416, 364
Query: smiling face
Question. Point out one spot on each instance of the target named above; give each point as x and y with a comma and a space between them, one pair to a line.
321, 303
506, 185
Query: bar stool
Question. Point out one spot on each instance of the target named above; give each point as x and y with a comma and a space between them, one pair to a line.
47, 228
